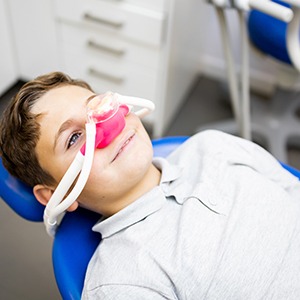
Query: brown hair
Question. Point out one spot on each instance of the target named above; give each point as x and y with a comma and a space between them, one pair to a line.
20, 131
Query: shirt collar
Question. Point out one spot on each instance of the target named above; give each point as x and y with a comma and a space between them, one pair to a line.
169, 172
173, 182
145, 205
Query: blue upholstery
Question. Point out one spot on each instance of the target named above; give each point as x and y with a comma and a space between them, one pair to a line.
74, 242
73, 246
19, 197
269, 34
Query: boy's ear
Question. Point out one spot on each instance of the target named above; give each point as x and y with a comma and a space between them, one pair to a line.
43, 194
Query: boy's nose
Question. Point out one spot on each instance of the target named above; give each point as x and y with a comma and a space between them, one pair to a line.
108, 130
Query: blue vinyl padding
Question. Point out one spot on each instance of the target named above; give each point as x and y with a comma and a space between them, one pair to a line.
268, 34
19, 197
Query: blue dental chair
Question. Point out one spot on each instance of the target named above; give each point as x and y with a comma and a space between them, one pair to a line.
75, 242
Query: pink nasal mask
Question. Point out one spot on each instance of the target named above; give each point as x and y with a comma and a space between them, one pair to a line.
108, 115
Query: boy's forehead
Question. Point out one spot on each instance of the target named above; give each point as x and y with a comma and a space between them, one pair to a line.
61, 98
59, 108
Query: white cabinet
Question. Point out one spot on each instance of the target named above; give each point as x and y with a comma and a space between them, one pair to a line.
35, 40
8, 73
130, 47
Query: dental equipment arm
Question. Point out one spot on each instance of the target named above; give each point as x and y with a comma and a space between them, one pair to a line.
273, 9
241, 99
231, 72
266, 6
293, 46
288, 15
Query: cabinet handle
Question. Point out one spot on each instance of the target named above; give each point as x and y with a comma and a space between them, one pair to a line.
106, 76
110, 23
99, 46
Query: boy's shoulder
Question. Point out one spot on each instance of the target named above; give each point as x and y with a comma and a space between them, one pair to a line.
201, 144
210, 145
210, 139
214, 136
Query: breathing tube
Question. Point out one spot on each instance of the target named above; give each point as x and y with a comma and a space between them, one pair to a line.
105, 120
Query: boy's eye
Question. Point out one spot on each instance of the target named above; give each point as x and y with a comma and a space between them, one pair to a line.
73, 139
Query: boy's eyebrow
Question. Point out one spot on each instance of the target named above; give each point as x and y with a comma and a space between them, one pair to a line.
90, 98
65, 125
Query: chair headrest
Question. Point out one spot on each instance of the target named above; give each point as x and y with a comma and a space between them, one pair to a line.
19, 196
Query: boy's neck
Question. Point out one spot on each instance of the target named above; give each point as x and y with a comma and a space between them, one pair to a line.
149, 181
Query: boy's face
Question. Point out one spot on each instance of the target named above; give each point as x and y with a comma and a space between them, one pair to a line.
117, 170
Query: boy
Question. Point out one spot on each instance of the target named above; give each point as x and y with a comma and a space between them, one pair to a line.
219, 219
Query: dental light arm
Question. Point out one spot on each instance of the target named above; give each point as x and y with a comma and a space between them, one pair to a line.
270, 8
106, 119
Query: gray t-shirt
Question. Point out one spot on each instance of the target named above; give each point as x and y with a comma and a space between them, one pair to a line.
224, 223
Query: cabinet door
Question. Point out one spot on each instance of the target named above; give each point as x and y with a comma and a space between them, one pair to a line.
128, 21
7, 60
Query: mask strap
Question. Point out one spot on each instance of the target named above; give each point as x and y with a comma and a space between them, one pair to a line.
147, 106
56, 206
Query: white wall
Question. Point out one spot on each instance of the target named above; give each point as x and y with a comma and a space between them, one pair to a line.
8, 70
